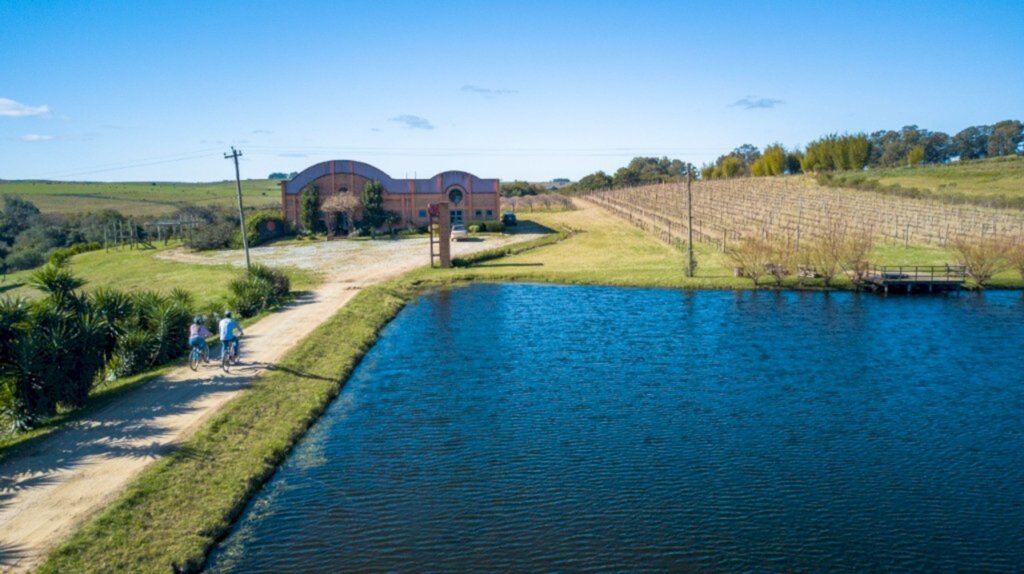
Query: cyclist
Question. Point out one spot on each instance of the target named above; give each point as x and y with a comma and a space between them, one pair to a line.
227, 334
197, 334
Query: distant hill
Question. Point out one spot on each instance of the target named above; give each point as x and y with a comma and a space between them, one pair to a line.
139, 198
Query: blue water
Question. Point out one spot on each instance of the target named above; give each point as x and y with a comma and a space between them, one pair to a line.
541, 428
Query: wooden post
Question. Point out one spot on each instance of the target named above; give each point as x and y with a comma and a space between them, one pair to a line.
444, 229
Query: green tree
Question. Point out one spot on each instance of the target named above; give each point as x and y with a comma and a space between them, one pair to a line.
916, 155
595, 181
771, 162
372, 199
520, 188
1006, 137
309, 208
972, 142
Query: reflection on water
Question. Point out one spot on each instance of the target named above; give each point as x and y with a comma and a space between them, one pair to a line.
523, 427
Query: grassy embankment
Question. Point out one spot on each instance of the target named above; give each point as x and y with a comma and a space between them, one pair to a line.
138, 269
997, 181
182, 505
140, 198
132, 270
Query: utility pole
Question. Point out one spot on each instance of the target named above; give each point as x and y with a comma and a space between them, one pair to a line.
689, 222
235, 154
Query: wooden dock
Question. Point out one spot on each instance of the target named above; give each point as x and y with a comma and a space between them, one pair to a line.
916, 278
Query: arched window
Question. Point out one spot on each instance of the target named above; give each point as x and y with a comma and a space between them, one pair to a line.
455, 195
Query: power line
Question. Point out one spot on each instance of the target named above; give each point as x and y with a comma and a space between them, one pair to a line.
187, 156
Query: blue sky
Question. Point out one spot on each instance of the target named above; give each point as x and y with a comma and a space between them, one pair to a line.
154, 91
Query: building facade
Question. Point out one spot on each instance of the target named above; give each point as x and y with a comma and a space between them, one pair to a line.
469, 197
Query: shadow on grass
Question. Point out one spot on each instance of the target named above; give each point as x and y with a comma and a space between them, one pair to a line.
527, 226
135, 429
5, 287
490, 265
297, 373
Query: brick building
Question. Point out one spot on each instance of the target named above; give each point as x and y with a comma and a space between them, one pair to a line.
469, 197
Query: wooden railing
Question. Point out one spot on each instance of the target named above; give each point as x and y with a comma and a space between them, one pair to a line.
918, 273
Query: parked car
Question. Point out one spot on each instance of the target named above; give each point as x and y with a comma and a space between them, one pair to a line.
459, 232
508, 219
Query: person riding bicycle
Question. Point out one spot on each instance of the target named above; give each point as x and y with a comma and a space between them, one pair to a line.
227, 329
197, 334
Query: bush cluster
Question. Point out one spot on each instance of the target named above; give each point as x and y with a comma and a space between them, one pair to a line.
491, 225
54, 350
264, 226
262, 288
28, 238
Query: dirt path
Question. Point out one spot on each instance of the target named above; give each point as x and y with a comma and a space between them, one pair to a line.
49, 490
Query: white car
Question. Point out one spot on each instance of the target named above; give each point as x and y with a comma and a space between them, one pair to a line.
459, 232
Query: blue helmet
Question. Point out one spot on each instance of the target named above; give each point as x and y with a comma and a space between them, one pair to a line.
227, 314
197, 320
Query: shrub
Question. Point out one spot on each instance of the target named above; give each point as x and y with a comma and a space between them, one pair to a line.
25, 259
261, 288
491, 225
264, 226
62, 255
983, 258
280, 281
215, 235
51, 356
135, 351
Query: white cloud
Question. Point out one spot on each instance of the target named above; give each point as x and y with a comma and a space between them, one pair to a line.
413, 122
755, 103
487, 92
13, 109
35, 138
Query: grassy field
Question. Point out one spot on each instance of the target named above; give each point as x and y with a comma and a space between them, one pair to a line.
999, 180
138, 199
606, 250
137, 269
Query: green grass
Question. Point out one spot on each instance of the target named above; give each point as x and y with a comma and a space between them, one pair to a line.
182, 505
602, 250
142, 198
606, 250
997, 181
137, 269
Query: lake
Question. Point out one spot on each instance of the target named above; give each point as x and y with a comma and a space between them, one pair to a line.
528, 427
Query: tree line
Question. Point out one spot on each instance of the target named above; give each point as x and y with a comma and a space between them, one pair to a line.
909, 145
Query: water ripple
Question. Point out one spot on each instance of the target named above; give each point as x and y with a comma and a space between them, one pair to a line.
539, 428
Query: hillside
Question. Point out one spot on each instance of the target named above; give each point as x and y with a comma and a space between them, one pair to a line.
139, 198
997, 181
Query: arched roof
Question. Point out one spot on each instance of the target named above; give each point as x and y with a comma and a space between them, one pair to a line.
435, 184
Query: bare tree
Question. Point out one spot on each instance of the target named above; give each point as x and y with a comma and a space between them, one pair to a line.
983, 258
826, 254
780, 261
1015, 255
750, 256
855, 249
340, 203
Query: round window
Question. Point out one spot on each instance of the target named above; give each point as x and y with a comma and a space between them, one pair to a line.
455, 196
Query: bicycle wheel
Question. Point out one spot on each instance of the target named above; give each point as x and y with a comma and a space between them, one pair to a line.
193, 358
225, 357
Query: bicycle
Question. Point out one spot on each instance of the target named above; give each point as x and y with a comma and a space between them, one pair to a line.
228, 354
196, 356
